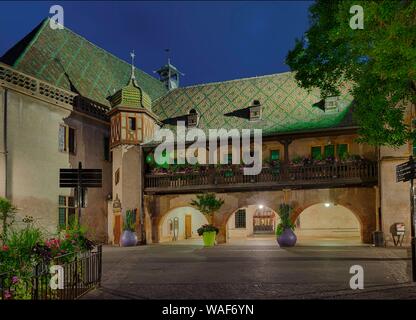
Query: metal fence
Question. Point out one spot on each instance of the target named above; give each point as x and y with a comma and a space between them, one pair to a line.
78, 273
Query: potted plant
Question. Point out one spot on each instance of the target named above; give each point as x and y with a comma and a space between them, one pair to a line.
297, 161
208, 204
129, 236
284, 230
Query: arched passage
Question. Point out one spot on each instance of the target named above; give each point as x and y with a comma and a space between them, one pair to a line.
180, 224
251, 221
326, 223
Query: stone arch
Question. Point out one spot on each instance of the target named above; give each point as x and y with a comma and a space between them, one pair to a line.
232, 232
300, 210
163, 227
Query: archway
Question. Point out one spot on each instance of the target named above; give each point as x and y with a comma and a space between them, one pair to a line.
251, 222
181, 224
328, 224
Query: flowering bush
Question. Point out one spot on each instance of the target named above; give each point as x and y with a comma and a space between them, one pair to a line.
207, 228
22, 250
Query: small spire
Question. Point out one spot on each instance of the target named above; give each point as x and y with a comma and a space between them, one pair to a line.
132, 55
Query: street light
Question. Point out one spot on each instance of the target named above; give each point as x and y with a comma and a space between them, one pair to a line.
261, 206
327, 204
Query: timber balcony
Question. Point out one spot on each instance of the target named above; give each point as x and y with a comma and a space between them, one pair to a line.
336, 175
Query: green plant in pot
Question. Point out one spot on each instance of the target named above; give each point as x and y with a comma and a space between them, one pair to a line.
284, 230
208, 204
129, 236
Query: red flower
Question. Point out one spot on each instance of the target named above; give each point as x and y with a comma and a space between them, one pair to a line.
67, 236
5, 248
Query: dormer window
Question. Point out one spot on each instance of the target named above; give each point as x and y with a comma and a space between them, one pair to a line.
255, 110
332, 104
193, 118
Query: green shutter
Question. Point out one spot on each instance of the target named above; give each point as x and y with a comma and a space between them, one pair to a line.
230, 158
329, 151
342, 149
274, 155
62, 217
316, 153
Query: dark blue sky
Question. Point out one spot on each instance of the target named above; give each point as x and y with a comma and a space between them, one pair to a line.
209, 41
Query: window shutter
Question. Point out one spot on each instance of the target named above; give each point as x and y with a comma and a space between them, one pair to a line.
274, 155
61, 138
329, 150
316, 152
71, 140
342, 149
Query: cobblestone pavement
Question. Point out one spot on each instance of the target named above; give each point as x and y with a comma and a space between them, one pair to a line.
252, 271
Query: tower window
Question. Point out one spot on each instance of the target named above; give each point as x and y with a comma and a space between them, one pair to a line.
106, 148
132, 123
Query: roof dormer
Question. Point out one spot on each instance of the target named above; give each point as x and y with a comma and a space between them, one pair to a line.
255, 111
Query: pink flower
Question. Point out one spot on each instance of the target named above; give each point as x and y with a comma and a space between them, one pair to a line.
15, 279
7, 295
5, 248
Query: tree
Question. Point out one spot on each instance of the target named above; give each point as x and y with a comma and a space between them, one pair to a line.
208, 204
378, 61
7, 211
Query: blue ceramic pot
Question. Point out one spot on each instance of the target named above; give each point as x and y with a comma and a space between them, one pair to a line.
128, 239
287, 238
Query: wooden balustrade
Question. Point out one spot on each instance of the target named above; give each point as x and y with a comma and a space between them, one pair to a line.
294, 175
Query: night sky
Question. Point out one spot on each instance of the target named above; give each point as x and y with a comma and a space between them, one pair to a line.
209, 41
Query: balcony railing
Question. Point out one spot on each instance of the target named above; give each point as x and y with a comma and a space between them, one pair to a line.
294, 176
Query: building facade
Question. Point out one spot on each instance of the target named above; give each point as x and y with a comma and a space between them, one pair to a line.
65, 101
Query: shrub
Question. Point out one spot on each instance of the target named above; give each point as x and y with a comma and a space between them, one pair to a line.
129, 223
7, 211
207, 228
285, 210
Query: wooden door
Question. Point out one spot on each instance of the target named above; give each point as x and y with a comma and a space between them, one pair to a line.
188, 226
117, 229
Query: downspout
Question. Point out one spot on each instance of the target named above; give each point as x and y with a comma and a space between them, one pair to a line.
5, 149
142, 216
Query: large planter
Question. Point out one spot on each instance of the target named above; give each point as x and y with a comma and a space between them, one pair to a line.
128, 239
287, 238
209, 238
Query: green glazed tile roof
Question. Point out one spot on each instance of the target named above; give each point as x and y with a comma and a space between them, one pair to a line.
285, 106
131, 96
69, 61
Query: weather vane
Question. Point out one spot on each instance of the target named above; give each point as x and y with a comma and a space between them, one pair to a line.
132, 55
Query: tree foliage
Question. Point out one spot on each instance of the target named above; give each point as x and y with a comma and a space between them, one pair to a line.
379, 61
208, 204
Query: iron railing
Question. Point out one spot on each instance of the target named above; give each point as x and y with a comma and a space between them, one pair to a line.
81, 272
332, 173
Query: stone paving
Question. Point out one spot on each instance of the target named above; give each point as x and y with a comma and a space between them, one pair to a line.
252, 270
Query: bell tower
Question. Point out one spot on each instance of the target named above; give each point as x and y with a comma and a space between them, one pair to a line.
132, 123
169, 75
